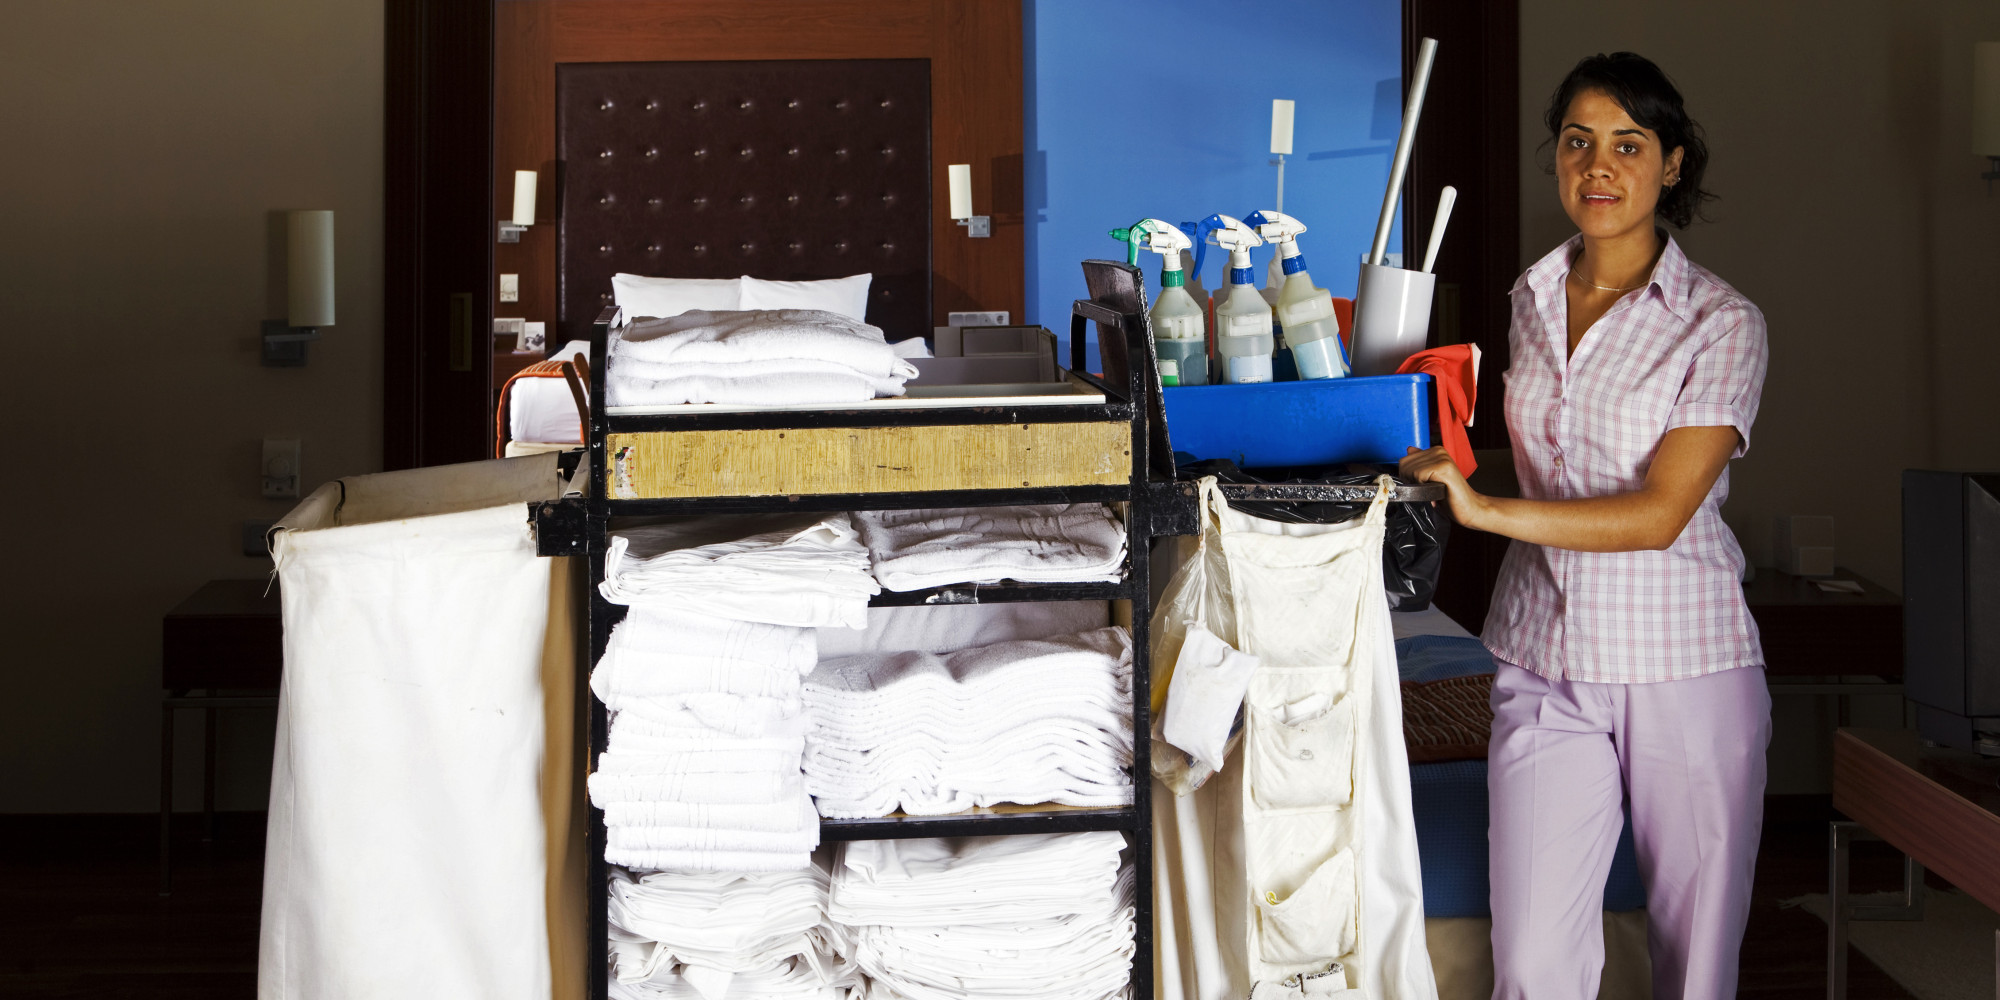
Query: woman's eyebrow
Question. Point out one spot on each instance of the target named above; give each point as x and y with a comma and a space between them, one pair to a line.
1641, 133
1579, 128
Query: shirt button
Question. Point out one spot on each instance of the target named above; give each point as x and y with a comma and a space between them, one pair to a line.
1559, 461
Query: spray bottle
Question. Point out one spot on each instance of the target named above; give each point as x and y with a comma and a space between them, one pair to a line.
1180, 338
1242, 319
1305, 312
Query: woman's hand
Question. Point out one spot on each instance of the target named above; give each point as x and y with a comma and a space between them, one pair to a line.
1436, 466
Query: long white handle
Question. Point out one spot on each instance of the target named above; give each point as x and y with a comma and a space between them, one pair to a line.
1446, 198
1412, 110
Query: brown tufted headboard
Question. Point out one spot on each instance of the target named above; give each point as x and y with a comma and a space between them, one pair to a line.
783, 169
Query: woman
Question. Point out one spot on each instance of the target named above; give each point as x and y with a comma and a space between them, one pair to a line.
1629, 670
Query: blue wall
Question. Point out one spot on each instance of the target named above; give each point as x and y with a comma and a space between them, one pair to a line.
1163, 108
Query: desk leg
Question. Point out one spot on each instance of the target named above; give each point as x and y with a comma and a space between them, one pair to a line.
208, 749
1840, 839
166, 799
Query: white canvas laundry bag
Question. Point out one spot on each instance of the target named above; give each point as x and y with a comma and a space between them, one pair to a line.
421, 793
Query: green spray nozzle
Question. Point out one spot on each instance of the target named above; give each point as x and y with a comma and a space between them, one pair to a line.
1151, 234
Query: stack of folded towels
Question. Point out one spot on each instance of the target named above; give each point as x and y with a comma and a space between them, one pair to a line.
1046, 916
1049, 543
712, 936
806, 571
759, 357
702, 768
1028, 721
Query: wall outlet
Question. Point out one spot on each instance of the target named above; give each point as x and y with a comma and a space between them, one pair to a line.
977, 318
281, 468
253, 538
510, 288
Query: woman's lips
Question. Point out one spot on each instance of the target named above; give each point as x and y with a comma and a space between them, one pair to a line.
1600, 200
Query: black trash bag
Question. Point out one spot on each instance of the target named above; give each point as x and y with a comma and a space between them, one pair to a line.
1413, 535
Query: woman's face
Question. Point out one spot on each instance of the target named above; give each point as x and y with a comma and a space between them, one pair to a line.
1609, 169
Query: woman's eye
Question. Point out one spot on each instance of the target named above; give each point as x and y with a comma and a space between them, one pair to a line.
1628, 148
1578, 142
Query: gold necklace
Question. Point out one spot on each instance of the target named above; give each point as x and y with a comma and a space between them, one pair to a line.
1608, 288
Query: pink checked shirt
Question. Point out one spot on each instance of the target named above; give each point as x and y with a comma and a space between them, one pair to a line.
1684, 351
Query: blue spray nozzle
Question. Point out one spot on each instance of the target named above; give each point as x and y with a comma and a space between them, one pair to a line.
1197, 232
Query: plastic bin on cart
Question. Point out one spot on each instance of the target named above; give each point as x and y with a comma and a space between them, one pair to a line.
1320, 422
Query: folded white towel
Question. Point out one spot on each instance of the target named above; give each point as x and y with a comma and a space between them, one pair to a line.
704, 787
942, 882
707, 861
664, 638
773, 817
795, 570
698, 762
1057, 543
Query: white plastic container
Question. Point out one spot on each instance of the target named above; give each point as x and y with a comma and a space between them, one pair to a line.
1243, 338
1180, 337
1392, 317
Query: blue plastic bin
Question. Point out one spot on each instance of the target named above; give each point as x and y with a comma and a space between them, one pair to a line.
1321, 422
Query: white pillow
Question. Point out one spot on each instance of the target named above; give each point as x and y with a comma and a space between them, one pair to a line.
661, 298
847, 296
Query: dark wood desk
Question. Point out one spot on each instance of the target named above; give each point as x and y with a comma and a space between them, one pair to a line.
227, 636
1809, 632
1940, 807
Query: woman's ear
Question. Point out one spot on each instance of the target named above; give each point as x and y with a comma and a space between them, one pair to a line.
1671, 173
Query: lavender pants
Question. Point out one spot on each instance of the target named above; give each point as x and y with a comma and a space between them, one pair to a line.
1565, 756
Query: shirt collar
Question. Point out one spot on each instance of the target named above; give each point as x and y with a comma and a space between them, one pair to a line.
1672, 277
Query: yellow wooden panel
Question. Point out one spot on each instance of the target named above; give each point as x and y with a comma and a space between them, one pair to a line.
798, 461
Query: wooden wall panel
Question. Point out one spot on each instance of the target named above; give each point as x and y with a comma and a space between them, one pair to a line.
654, 30
976, 88
976, 118
524, 101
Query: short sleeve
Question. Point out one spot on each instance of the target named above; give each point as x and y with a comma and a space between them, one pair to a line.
1725, 381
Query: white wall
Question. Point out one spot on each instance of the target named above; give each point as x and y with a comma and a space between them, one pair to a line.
1852, 213
147, 145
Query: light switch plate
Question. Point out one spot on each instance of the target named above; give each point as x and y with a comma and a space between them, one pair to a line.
510, 288
281, 468
978, 318
253, 538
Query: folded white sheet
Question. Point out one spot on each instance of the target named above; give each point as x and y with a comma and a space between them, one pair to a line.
1028, 721
752, 335
946, 628
794, 570
1038, 917
752, 357
1055, 543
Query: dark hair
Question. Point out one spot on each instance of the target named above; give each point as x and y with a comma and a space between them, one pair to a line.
1650, 98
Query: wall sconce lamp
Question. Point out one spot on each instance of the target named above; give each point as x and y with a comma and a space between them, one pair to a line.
976, 226
524, 207
308, 289
1986, 108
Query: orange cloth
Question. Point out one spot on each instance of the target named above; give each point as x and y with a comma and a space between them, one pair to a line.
1455, 370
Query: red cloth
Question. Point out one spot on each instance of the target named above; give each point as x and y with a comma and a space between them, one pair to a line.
1455, 369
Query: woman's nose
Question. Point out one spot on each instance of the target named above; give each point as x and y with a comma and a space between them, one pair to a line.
1600, 164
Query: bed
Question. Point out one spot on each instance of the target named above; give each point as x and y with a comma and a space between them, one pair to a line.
1445, 670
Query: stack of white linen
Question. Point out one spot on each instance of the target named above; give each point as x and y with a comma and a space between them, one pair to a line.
1047, 543
757, 357
701, 771
800, 570
1046, 916
1028, 721
713, 936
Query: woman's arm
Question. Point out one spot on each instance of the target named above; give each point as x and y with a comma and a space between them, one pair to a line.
1651, 517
